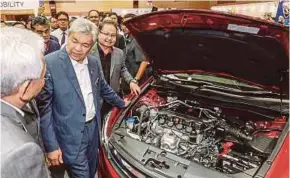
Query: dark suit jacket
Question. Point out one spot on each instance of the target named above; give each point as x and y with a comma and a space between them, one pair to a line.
118, 68
21, 156
31, 119
53, 46
120, 42
61, 104
54, 38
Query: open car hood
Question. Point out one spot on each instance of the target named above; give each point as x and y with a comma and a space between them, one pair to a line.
222, 44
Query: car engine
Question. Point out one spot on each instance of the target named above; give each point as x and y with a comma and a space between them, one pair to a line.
202, 134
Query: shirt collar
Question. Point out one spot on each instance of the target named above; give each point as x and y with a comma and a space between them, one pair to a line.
66, 31
74, 62
16, 108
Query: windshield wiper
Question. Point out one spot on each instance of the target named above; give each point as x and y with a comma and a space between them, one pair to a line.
199, 85
240, 91
238, 85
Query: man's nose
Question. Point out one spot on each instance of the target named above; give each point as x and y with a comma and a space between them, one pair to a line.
78, 47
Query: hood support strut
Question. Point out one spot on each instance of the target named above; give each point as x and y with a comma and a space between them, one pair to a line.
283, 73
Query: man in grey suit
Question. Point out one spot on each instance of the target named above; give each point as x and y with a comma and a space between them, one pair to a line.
69, 103
22, 77
112, 60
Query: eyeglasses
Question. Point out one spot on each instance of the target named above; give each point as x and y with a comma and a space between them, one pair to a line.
30, 81
63, 20
95, 17
44, 78
108, 34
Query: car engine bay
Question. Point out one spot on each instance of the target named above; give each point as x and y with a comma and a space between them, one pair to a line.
213, 136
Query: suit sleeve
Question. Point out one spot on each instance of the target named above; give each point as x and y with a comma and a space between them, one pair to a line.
44, 102
124, 71
25, 161
107, 93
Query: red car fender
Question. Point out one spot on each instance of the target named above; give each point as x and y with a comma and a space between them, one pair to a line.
105, 169
280, 166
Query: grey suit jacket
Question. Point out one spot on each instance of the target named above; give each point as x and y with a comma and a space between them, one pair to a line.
118, 67
21, 156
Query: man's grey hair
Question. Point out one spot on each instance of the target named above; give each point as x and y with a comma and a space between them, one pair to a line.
84, 26
21, 52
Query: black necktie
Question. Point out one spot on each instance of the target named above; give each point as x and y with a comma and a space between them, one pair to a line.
63, 38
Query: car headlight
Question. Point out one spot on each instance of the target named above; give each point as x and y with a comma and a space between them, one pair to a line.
105, 138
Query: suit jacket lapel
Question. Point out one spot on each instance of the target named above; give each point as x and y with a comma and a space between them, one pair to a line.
92, 66
113, 59
94, 71
70, 72
95, 52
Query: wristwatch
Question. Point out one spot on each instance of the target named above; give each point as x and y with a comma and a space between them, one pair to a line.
134, 81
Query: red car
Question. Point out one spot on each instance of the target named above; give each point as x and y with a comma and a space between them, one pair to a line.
216, 106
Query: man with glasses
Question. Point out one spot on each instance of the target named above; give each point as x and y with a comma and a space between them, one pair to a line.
40, 25
112, 60
53, 23
22, 78
94, 16
62, 32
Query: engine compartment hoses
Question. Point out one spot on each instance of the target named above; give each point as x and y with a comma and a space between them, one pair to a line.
173, 102
141, 120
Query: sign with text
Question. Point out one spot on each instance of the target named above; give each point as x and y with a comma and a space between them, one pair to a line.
14, 5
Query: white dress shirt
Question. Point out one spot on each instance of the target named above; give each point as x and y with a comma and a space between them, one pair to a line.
84, 80
58, 34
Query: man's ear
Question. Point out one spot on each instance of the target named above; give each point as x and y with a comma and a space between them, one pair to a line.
22, 91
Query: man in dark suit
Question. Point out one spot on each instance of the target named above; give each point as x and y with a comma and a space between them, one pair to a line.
54, 39
40, 25
69, 104
22, 77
